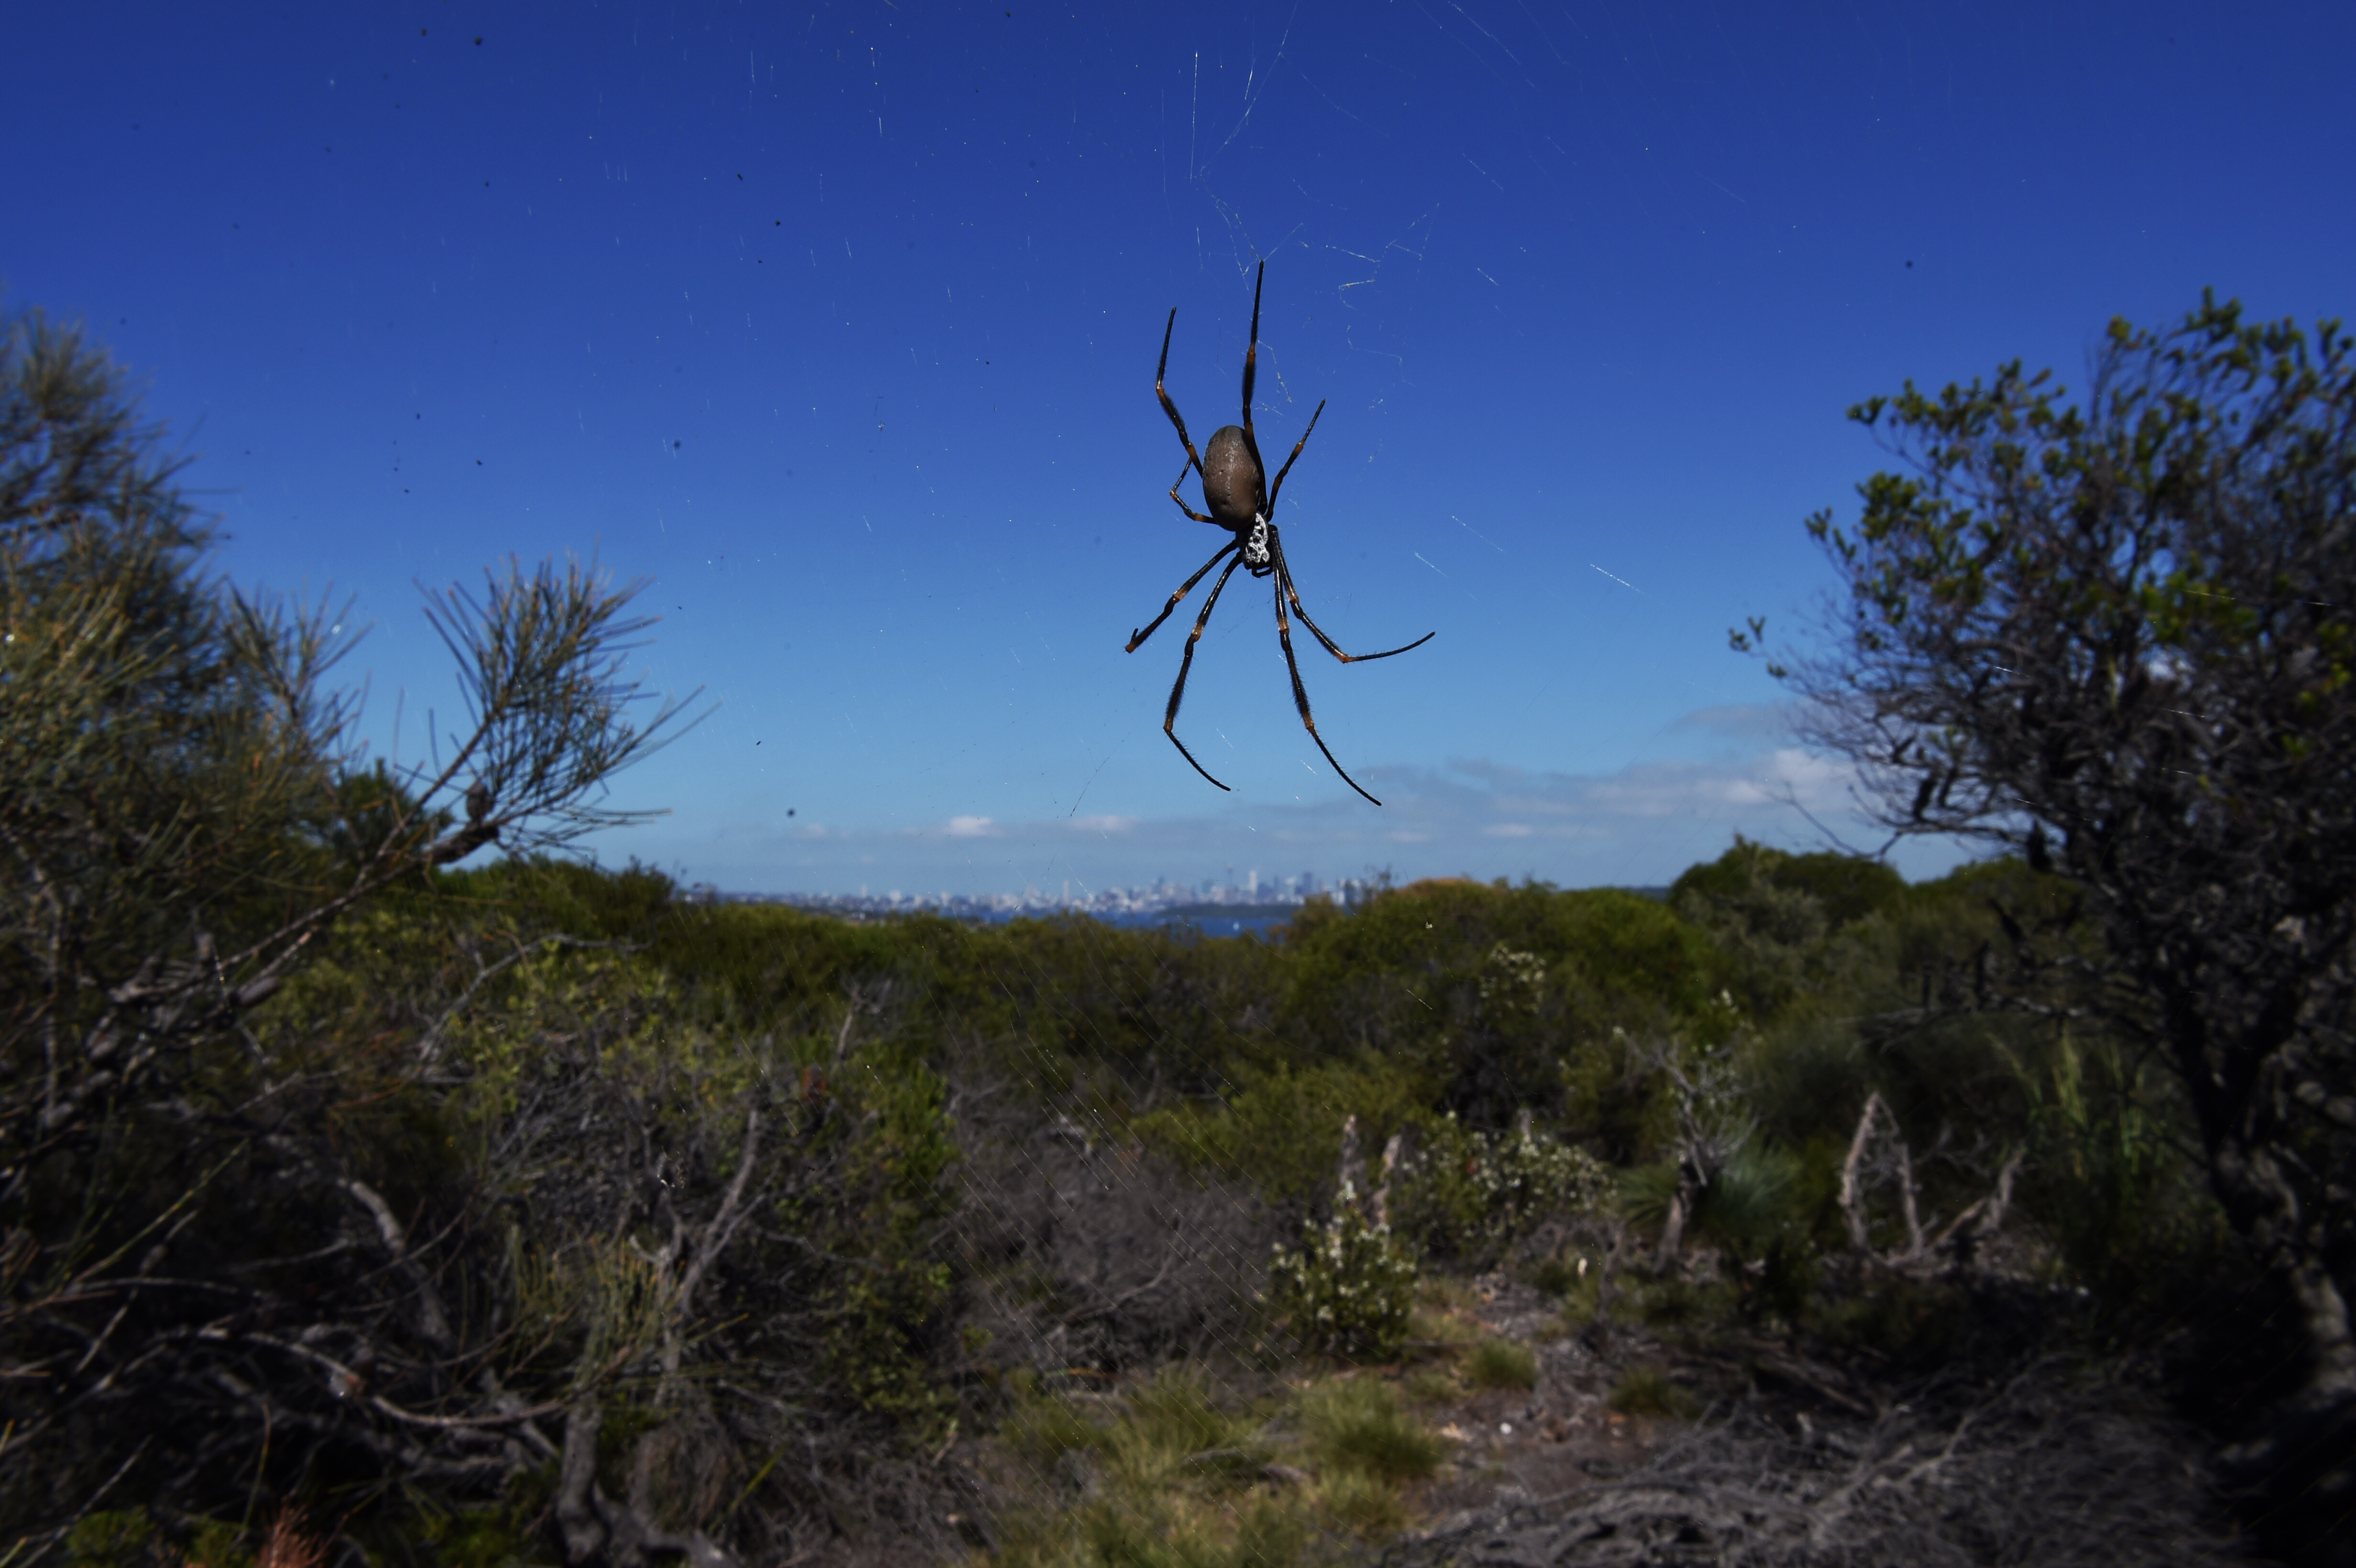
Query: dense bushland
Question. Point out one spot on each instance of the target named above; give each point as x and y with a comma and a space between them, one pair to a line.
763, 1214
530, 1213
1058, 1018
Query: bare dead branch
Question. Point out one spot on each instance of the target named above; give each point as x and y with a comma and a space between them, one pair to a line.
2036, 1472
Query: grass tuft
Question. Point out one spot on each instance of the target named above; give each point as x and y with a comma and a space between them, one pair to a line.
1361, 1425
1174, 1415
1436, 1326
1353, 1503
1181, 1483
1046, 1428
1647, 1391
1502, 1364
1166, 1534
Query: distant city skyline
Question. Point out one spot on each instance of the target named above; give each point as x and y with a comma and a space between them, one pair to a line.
1246, 906
1160, 896
1162, 893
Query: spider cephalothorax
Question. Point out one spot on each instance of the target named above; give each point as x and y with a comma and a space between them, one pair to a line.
1256, 550
1236, 489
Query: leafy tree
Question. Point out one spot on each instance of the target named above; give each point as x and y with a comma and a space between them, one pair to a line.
1775, 916
186, 813
2116, 638
186, 818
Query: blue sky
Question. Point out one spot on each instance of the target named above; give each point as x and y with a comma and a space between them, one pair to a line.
839, 324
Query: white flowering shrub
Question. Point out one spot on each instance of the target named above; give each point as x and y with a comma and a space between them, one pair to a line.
1511, 978
1348, 1288
1476, 1190
1519, 1177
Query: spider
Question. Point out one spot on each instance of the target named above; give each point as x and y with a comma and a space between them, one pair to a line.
1236, 489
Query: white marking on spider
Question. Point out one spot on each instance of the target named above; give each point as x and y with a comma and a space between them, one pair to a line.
1256, 547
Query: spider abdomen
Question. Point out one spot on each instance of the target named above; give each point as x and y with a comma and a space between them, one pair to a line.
1233, 484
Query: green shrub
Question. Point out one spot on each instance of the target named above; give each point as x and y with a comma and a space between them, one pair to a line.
217, 1544
1784, 1280
1279, 1127
1647, 1192
1358, 1423
1907, 1324
500, 1535
1350, 1288
118, 1537
2127, 1212
1749, 1208
1481, 988
1556, 1275
1647, 1391
1502, 1364
1748, 1202
1672, 1302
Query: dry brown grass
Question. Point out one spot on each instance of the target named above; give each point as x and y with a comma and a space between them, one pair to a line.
290, 1543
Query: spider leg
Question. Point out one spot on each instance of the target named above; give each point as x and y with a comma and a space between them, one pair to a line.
1284, 575
1178, 690
1300, 692
1136, 637
1251, 356
1193, 458
1278, 489
1190, 511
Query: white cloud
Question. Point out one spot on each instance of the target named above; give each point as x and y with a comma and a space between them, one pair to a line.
1102, 825
972, 828
1751, 722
